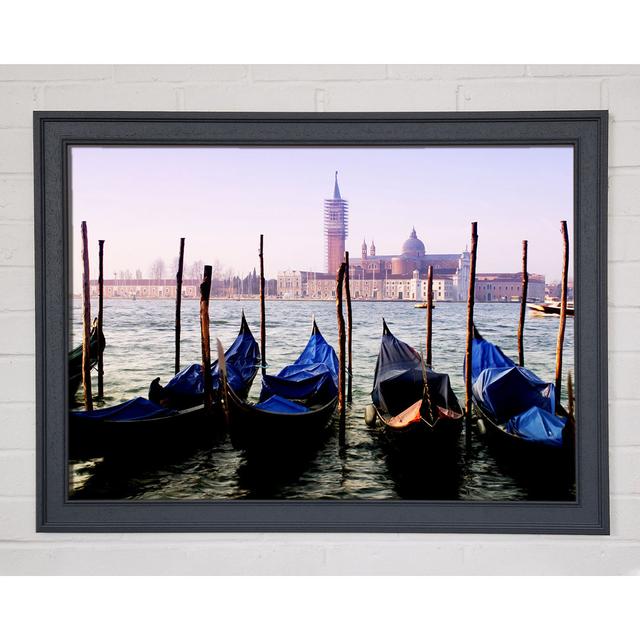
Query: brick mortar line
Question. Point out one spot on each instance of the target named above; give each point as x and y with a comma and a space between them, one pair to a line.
609, 541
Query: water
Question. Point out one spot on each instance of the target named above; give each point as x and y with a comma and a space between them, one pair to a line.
140, 346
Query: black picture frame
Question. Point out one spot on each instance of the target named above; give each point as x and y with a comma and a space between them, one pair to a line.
56, 132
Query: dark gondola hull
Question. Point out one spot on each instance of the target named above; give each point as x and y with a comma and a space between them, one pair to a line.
191, 428
526, 458
258, 432
419, 438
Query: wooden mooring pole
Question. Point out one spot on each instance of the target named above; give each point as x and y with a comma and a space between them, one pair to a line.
468, 357
570, 396
429, 312
341, 345
263, 326
563, 310
347, 293
205, 291
86, 322
179, 303
523, 303
100, 317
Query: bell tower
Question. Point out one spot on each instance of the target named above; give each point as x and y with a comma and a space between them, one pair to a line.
336, 219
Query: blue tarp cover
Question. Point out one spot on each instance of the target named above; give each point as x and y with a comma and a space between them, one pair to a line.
537, 425
507, 391
313, 376
241, 358
514, 396
486, 355
135, 409
278, 404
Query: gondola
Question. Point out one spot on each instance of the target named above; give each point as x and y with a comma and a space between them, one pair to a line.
186, 388
295, 407
415, 406
148, 426
75, 359
516, 411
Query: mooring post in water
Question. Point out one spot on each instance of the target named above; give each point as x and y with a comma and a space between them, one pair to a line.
86, 322
523, 303
429, 312
341, 345
224, 390
263, 326
468, 359
563, 309
347, 294
179, 303
205, 291
100, 317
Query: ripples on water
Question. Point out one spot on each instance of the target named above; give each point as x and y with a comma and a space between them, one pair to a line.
140, 346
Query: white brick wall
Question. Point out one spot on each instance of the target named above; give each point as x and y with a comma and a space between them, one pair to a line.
311, 87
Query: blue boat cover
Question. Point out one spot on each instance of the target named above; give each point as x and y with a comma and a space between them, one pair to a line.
537, 425
135, 409
399, 378
278, 404
514, 396
486, 355
313, 377
507, 391
241, 358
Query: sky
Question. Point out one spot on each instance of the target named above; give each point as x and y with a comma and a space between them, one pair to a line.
142, 200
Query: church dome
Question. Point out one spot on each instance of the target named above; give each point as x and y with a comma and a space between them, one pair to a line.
413, 246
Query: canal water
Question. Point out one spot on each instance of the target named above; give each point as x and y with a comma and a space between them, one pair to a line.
140, 346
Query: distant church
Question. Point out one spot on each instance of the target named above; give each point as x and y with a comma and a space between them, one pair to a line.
412, 256
402, 276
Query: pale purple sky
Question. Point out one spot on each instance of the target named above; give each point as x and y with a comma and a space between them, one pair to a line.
142, 200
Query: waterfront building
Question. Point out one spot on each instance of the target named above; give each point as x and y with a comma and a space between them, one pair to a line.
501, 287
158, 288
166, 288
490, 287
293, 284
403, 276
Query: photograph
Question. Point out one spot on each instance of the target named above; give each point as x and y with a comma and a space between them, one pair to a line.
321, 323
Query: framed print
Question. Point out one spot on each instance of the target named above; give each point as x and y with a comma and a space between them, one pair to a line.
321, 322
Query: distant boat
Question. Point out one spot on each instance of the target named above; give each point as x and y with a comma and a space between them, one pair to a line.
424, 305
551, 308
